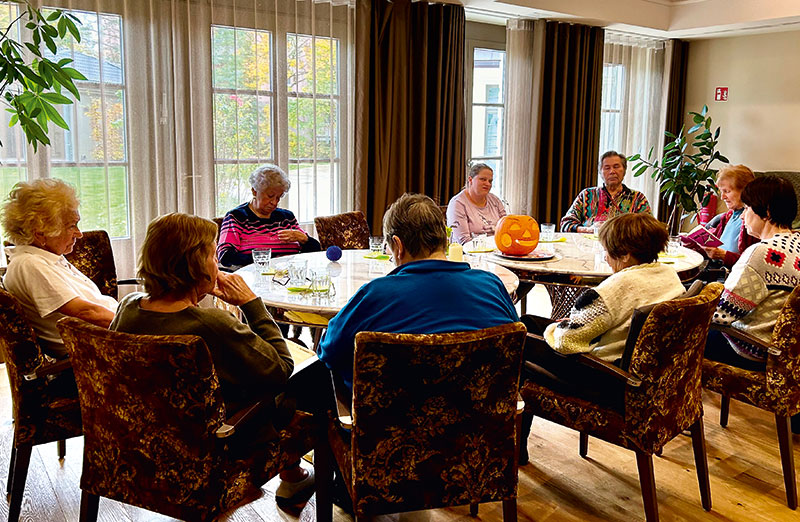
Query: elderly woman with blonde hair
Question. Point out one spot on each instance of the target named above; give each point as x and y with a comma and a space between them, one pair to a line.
41, 219
252, 360
729, 226
259, 223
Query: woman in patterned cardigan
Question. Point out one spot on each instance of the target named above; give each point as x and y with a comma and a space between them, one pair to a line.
762, 278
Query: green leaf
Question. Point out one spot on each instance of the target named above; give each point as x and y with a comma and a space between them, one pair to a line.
669, 135
73, 73
73, 30
54, 115
716, 134
634, 157
53, 97
32, 76
697, 119
723, 159
13, 120
695, 128
62, 27
53, 16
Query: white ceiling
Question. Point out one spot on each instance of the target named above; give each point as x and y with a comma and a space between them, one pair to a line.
686, 19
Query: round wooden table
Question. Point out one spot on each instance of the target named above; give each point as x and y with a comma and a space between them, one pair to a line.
349, 274
578, 262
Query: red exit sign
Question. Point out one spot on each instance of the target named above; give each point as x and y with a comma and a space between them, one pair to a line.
721, 94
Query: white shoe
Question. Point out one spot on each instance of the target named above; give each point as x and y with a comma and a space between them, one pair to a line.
292, 493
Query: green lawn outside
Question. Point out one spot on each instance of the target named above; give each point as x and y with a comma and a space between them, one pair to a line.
97, 210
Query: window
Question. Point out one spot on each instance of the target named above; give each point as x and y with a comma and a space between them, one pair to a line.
92, 155
611, 107
488, 77
246, 103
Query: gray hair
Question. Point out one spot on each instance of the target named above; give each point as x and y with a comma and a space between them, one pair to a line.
39, 206
419, 224
268, 176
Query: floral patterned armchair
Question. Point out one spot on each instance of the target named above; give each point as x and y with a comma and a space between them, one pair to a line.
434, 421
43, 396
661, 392
156, 433
776, 390
348, 231
92, 255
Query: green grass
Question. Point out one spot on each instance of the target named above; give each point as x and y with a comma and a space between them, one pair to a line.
100, 209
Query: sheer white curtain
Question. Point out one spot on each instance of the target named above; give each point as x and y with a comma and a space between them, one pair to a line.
185, 97
633, 113
524, 57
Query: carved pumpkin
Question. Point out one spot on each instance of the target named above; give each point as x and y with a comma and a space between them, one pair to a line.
516, 235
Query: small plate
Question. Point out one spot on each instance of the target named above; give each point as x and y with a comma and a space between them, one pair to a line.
533, 256
480, 250
380, 257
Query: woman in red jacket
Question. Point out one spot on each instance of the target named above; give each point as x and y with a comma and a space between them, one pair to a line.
731, 180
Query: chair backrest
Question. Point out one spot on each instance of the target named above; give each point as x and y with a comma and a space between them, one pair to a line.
348, 231
434, 418
668, 359
783, 370
218, 222
150, 406
92, 255
21, 352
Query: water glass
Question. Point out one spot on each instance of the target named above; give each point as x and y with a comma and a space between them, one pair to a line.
320, 282
674, 246
376, 245
548, 232
262, 258
479, 242
597, 226
297, 273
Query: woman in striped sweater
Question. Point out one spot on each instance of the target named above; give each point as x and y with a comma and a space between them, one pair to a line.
259, 223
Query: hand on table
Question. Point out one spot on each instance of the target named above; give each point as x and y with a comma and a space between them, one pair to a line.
232, 289
585, 230
289, 236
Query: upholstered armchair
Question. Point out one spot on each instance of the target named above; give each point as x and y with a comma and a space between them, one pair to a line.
434, 421
776, 390
660, 393
43, 396
349, 230
156, 432
92, 255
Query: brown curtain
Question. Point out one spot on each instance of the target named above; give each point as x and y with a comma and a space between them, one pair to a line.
569, 127
410, 131
676, 100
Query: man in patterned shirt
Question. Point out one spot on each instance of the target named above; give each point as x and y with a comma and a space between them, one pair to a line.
598, 204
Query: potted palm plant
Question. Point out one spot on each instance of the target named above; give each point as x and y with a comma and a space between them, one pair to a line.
685, 175
31, 80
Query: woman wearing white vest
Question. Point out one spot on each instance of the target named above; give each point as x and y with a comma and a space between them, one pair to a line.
41, 219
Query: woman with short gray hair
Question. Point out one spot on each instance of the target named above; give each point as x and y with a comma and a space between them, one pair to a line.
259, 223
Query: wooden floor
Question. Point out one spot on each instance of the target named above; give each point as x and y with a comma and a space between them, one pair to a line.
746, 480
557, 485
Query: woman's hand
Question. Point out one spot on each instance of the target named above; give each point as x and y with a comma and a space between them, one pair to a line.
290, 236
232, 289
585, 230
715, 253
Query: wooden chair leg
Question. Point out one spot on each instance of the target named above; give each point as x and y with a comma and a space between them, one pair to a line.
787, 459
647, 480
62, 449
11, 470
526, 420
724, 408
21, 461
89, 507
473, 509
701, 462
510, 510
583, 448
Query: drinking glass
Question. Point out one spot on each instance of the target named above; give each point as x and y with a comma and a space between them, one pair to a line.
376, 245
262, 258
320, 282
479, 242
548, 232
297, 273
674, 246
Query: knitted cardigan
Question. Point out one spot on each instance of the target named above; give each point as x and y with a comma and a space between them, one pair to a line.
601, 316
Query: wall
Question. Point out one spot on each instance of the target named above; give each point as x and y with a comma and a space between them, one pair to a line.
761, 119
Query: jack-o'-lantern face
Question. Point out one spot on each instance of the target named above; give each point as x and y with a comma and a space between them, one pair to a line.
516, 235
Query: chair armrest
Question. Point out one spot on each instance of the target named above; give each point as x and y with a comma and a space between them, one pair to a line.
744, 336
230, 425
46, 369
607, 368
344, 403
520, 404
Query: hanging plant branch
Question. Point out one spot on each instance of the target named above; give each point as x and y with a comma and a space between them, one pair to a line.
687, 179
31, 83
